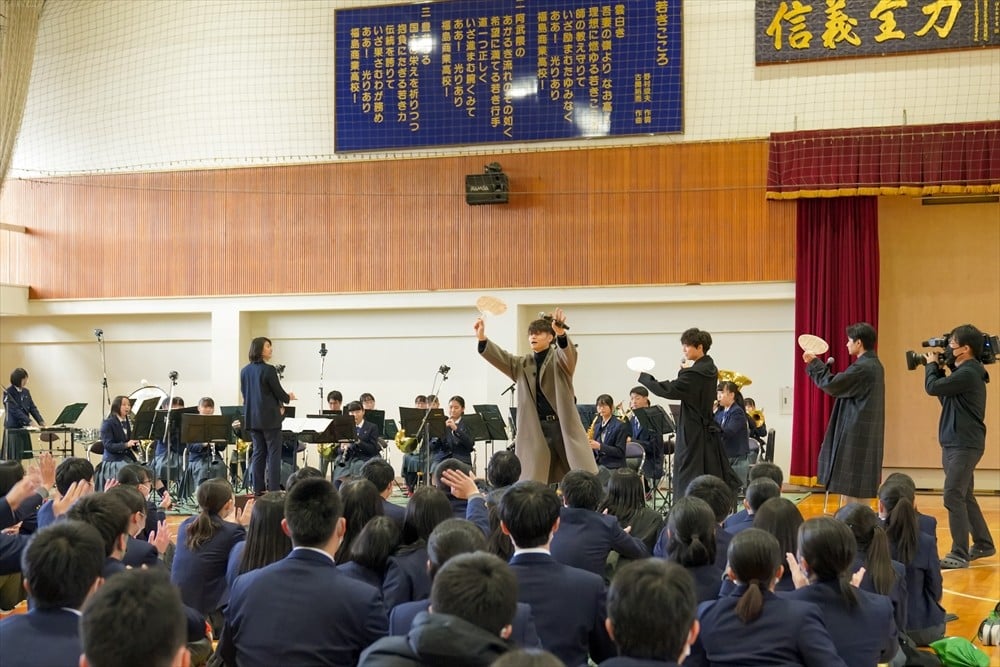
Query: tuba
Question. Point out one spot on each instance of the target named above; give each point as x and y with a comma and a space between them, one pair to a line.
404, 443
738, 379
757, 416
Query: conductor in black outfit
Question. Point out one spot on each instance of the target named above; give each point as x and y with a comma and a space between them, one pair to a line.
263, 398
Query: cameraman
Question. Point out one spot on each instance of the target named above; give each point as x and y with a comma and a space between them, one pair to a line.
962, 434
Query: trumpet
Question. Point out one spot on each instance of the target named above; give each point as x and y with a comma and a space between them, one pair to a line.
757, 416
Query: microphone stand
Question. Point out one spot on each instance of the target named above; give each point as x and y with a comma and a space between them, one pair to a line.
167, 435
425, 427
322, 363
104, 366
510, 420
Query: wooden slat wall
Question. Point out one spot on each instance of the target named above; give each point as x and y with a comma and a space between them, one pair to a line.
684, 213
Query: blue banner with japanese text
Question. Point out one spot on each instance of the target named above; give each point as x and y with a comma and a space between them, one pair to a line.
788, 31
504, 71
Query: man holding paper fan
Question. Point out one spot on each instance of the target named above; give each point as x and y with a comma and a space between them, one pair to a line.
551, 439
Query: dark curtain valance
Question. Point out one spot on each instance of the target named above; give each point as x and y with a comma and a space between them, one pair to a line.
947, 158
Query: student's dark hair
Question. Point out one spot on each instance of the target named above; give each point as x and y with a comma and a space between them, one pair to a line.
605, 400
379, 539
17, 376
828, 546
10, 474
715, 492
695, 337
478, 588
366, 396
206, 401
305, 472
651, 606
427, 508
256, 352
873, 542
335, 396
905, 481
449, 464
136, 618
450, 538
130, 496
754, 557
354, 406
769, 470
749, 401
625, 497
213, 494
420, 398
529, 509
133, 474
966, 334
761, 490
864, 333
116, 405
691, 532
71, 470
107, 514
640, 390
312, 509
527, 657
541, 326
581, 489
61, 563
266, 542
902, 525
379, 472
498, 543
734, 389
503, 469
362, 501
458, 399
781, 518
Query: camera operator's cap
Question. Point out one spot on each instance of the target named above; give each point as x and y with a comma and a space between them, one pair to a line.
354, 405
814, 344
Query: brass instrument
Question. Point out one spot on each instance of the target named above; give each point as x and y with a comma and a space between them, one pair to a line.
326, 449
404, 443
242, 446
590, 429
738, 379
757, 416
624, 416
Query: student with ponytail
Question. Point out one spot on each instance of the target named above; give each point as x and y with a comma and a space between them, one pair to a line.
753, 626
918, 553
203, 545
860, 623
882, 574
691, 544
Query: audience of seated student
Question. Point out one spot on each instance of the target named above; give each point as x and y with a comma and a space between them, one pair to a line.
473, 601
458, 505
882, 574
203, 545
585, 536
25, 492
25, 517
456, 443
568, 604
762, 469
134, 619
860, 623
449, 539
721, 499
368, 557
610, 435
651, 615
691, 544
305, 472
626, 501
362, 502
111, 518
917, 552
758, 491
503, 470
928, 524
140, 553
62, 567
379, 472
71, 470
528, 657
753, 626
781, 518
300, 610
141, 478
266, 541
406, 575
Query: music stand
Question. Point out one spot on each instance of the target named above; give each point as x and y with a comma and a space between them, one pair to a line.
495, 428
376, 417
69, 414
205, 428
340, 429
424, 424
475, 426
390, 429
142, 426
655, 420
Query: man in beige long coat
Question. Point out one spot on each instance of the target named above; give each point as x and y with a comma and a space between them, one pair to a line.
551, 439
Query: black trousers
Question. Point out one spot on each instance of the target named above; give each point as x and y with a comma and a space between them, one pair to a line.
964, 515
266, 459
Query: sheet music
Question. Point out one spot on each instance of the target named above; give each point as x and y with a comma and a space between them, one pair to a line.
302, 424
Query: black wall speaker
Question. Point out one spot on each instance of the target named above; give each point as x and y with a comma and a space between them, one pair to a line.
491, 188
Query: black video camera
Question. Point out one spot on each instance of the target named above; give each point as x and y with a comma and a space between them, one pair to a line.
988, 356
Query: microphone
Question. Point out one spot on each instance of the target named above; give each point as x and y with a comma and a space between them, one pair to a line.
98, 333
829, 362
173, 376
552, 320
508, 389
443, 370
322, 349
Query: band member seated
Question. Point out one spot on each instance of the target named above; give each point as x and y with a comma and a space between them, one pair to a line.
732, 419
120, 447
413, 464
456, 443
205, 458
608, 435
365, 445
651, 441
758, 428
167, 467
335, 402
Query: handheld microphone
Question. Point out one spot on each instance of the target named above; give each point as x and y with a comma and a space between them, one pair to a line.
552, 320
322, 349
829, 361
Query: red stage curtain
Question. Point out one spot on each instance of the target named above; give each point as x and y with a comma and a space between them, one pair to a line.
949, 158
836, 285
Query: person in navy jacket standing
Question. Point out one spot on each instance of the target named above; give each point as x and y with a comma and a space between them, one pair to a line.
20, 409
263, 398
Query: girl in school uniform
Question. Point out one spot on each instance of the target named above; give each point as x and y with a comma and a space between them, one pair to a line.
691, 544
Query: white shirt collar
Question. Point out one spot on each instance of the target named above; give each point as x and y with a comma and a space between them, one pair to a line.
319, 551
